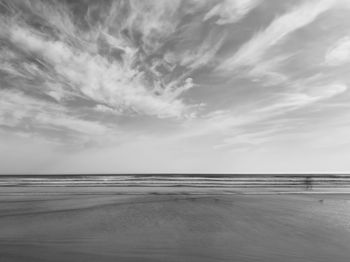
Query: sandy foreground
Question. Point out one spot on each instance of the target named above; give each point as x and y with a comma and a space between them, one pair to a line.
85, 227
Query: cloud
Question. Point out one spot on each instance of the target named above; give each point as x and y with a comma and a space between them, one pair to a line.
243, 140
308, 96
266, 71
31, 115
72, 63
281, 27
93, 76
231, 11
339, 53
105, 109
198, 57
156, 21
261, 122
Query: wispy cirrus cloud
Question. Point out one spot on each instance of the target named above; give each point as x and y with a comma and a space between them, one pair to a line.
20, 112
243, 129
198, 57
115, 84
339, 53
305, 97
254, 50
111, 55
231, 11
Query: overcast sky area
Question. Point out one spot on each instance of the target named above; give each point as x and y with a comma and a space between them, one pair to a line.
231, 86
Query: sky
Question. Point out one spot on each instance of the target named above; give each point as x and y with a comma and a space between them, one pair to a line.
174, 86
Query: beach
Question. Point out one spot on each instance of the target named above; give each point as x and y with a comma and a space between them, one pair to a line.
104, 225
174, 131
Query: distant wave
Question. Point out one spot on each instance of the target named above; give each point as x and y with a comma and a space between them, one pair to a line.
285, 181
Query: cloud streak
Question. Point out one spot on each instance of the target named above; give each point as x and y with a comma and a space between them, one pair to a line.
279, 29
240, 129
339, 53
231, 11
20, 112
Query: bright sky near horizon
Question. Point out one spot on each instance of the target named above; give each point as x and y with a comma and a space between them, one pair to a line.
225, 86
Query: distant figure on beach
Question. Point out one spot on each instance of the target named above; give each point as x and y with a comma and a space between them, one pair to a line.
308, 183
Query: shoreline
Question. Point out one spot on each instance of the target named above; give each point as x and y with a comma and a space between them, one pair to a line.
185, 184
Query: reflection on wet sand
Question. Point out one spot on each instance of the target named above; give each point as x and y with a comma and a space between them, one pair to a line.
175, 227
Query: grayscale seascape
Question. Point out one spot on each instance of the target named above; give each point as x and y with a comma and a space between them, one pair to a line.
174, 131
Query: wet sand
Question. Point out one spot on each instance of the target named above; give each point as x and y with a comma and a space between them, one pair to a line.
175, 227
